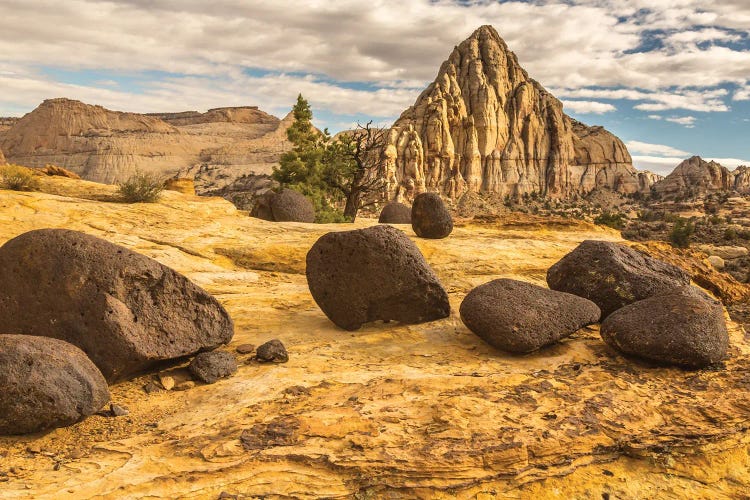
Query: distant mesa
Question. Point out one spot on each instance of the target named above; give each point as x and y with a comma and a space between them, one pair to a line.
485, 125
215, 148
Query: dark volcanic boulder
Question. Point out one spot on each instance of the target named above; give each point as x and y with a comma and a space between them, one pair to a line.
212, 366
395, 213
46, 383
684, 328
613, 275
520, 317
290, 206
373, 274
124, 310
430, 217
262, 207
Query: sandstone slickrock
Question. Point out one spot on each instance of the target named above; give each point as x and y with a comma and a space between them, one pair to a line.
684, 328
612, 275
125, 310
212, 366
289, 205
370, 274
520, 317
46, 383
429, 217
395, 213
272, 351
485, 125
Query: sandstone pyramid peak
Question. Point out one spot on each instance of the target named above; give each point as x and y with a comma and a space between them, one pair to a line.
696, 177
485, 125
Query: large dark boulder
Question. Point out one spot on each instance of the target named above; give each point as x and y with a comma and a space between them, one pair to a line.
684, 328
373, 274
46, 383
127, 312
430, 217
521, 317
290, 206
613, 275
395, 213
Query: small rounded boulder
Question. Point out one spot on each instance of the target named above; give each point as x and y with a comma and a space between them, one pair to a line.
290, 206
212, 366
395, 213
430, 217
520, 317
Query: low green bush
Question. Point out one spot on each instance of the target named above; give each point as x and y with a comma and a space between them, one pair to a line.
141, 188
17, 178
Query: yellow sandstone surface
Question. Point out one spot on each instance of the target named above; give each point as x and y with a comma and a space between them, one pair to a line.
390, 411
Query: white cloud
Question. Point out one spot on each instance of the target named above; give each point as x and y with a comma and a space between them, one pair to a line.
658, 164
655, 117
687, 121
588, 107
730, 163
693, 100
646, 148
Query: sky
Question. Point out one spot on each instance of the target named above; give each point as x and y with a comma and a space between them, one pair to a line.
669, 77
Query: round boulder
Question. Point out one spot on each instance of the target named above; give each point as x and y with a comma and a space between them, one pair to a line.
520, 317
272, 351
430, 217
211, 366
684, 328
373, 274
290, 206
613, 275
46, 383
126, 311
395, 213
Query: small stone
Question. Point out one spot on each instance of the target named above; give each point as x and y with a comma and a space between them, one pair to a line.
34, 448
152, 387
245, 349
211, 366
272, 351
118, 411
167, 382
716, 261
184, 386
430, 217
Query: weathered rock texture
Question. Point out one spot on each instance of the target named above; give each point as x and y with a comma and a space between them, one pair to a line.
521, 317
210, 367
214, 148
289, 205
684, 328
613, 275
485, 125
373, 274
393, 410
126, 311
695, 177
46, 383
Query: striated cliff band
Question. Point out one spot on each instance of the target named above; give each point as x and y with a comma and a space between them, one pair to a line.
101, 145
485, 125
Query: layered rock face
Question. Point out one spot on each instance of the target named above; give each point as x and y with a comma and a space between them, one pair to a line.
695, 176
215, 148
485, 125
742, 179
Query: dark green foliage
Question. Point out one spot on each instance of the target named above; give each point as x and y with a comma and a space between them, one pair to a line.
141, 187
615, 220
682, 232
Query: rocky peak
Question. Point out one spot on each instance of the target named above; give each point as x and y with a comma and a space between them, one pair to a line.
485, 125
695, 177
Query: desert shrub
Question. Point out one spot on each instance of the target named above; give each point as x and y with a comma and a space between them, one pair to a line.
141, 187
615, 220
17, 178
743, 234
730, 234
682, 232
